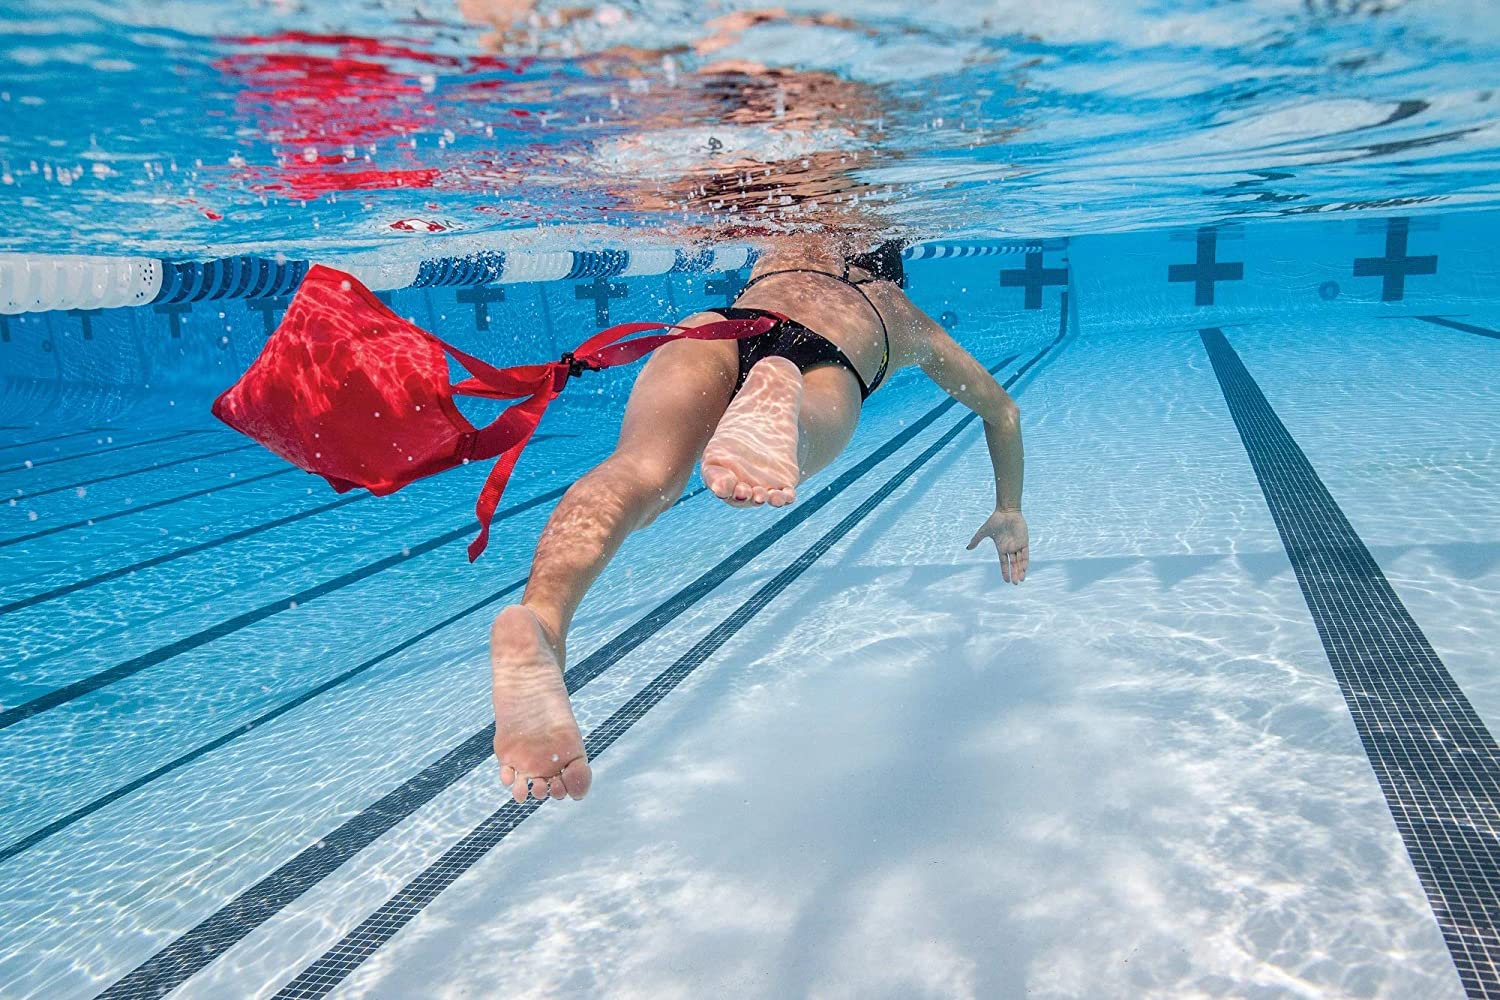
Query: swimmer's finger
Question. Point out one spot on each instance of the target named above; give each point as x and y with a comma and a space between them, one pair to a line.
1005, 567
1024, 560
978, 536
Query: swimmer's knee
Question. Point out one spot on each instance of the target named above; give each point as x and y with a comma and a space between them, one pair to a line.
663, 493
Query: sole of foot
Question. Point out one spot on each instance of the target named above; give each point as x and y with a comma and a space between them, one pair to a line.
751, 460
537, 741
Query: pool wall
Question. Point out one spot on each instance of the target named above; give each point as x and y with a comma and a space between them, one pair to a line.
196, 325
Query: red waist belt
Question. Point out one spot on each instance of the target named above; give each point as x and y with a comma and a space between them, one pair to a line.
349, 390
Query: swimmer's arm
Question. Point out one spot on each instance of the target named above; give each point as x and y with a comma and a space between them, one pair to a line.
959, 375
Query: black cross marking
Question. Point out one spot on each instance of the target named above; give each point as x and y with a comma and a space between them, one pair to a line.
268, 308
85, 320
481, 296
729, 286
173, 311
1393, 268
1207, 269
1033, 277
601, 290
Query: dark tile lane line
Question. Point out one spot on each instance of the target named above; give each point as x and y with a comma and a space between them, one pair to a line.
89, 522
56, 437
33, 494
94, 682
30, 840
26, 466
166, 557
1436, 763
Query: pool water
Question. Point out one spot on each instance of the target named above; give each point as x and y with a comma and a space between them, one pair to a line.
221, 127
1230, 737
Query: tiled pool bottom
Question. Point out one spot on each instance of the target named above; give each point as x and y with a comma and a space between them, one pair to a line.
1134, 775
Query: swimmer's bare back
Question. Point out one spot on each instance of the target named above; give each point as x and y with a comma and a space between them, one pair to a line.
758, 434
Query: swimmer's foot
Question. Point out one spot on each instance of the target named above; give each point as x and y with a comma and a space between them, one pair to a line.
536, 737
752, 457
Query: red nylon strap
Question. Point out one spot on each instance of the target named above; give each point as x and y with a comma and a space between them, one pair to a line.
508, 435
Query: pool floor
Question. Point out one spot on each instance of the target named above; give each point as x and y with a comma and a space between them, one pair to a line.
859, 765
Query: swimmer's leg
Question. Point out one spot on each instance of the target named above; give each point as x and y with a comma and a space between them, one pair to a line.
783, 426
674, 406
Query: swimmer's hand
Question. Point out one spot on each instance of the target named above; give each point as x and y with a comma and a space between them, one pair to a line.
1008, 529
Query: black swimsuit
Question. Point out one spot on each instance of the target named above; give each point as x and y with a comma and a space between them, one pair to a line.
799, 345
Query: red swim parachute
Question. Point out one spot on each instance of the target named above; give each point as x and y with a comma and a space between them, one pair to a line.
349, 390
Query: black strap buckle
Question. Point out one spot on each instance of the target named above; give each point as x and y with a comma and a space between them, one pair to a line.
577, 366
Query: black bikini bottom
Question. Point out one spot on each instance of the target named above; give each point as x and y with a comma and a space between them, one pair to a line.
792, 341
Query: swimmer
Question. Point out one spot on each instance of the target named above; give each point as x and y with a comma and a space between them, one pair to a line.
757, 417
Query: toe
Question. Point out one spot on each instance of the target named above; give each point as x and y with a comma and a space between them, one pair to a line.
518, 790
719, 480
741, 491
539, 790
507, 775
760, 494
578, 777
559, 788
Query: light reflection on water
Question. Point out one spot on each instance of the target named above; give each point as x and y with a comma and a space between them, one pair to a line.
282, 126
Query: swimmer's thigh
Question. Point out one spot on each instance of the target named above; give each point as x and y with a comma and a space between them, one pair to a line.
677, 401
830, 412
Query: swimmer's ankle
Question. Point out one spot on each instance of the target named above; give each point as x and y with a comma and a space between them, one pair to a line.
552, 628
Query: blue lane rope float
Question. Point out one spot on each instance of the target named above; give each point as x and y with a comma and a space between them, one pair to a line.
52, 282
